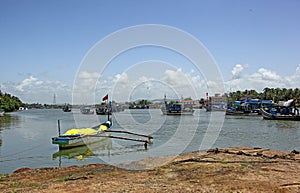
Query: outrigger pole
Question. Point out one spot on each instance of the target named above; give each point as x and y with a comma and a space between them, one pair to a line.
128, 132
58, 126
146, 142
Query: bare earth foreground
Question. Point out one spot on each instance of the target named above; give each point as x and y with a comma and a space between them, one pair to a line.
237, 169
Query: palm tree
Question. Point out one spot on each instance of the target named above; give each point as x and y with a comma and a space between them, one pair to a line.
266, 93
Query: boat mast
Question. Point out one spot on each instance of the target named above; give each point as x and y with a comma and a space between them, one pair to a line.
108, 108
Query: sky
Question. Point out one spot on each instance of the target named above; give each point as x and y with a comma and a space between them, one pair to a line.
46, 47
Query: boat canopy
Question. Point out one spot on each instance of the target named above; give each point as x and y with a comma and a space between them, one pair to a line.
266, 101
237, 102
254, 101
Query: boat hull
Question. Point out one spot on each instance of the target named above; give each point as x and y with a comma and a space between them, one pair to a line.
242, 113
71, 141
268, 116
176, 109
166, 112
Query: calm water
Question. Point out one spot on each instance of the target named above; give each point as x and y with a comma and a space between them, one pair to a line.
25, 137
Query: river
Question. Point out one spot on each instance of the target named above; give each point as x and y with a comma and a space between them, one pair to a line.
25, 136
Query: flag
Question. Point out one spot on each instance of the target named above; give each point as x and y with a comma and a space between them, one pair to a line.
105, 98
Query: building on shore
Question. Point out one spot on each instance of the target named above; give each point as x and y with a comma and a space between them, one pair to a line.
216, 102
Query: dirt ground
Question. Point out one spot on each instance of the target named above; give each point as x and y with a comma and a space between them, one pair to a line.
238, 169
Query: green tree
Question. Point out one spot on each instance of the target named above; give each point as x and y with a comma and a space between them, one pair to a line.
9, 103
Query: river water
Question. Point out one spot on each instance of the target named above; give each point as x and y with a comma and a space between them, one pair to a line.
25, 136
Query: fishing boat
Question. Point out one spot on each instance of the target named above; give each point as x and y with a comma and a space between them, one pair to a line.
210, 107
176, 109
67, 108
103, 110
80, 137
275, 115
86, 110
233, 111
248, 107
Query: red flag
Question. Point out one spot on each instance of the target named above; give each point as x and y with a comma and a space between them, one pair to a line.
105, 98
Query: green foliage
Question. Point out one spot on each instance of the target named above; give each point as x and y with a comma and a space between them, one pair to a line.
276, 94
15, 185
9, 103
244, 164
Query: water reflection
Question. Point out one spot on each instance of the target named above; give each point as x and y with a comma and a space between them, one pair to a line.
84, 151
105, 150
287, 124
7, 122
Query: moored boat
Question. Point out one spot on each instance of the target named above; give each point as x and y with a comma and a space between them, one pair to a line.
83, 136
86, 110
67, 108
232, 111
274, 115
176, 109
103, 110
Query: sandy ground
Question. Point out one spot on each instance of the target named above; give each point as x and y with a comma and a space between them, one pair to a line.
238, 169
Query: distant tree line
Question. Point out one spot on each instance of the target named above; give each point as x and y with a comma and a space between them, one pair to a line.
275, 94
9, 103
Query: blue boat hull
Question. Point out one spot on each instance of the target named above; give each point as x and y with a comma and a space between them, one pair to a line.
71, 141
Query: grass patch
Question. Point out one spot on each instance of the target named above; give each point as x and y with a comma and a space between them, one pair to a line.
72, 177
3, 177
244, 164
63, 179
15, 185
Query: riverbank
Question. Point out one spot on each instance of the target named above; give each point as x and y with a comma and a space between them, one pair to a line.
238, 169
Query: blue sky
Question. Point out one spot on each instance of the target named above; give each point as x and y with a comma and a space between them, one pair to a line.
255, 43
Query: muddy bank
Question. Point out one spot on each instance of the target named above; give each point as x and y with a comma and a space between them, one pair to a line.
238, 169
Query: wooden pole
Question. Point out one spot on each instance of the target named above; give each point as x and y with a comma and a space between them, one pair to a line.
58, 125
128, 132
124, 138
107, 108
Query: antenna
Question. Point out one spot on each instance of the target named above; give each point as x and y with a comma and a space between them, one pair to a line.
54, 99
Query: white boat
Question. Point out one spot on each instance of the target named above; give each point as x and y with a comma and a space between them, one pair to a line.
86, 110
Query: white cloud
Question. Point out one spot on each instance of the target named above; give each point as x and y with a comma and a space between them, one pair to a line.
32, 90
266, 74
297, 73
86, 81
236, 71
88, 75
121, 78
176, 78
27, 83
264, 78
175, 83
